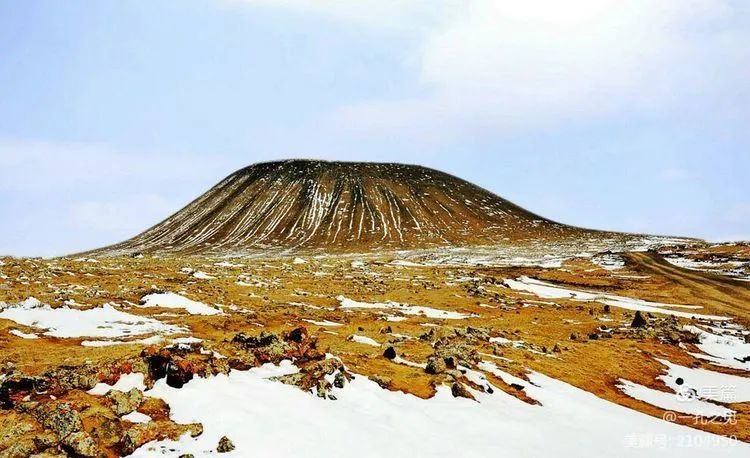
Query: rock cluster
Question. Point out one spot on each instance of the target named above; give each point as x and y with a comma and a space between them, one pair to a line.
315, 376
267, 347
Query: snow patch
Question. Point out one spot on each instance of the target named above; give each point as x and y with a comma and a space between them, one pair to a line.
706, 384
292, 422
324, 323
364, 340
175, 301
203, 275
550, 291
23, 335
403, 308
673, 402
104, 321
126, 382
153, 340
728, 349
137, 417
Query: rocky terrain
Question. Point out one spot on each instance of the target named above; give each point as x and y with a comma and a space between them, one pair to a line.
453, 324
89, 365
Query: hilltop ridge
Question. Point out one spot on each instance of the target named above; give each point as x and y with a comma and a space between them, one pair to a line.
341, 205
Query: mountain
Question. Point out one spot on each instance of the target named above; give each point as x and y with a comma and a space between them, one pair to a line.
340, 205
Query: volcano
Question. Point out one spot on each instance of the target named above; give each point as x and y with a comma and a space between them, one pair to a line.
340, 206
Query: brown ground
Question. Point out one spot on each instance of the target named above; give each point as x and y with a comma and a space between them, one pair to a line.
287, 293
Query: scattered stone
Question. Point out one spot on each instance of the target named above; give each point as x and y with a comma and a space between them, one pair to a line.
478, 333
81, 444
339, 380
20, 436
69, 378
265, 339
314, 375
104, 427
179, 372
435, 365
59, 417
26, 447
225, 445
639, 321
157, 361
297, 335
125, 403
460, 391
323, 388
17, 386
390, 353
270, 348
383, 382
142, 433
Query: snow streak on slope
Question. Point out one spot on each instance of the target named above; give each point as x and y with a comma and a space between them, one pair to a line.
340, 205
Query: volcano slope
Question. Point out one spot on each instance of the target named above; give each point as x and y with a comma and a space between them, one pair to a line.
554, 341
341, 206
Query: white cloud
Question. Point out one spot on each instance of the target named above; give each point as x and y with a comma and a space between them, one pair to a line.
511, 64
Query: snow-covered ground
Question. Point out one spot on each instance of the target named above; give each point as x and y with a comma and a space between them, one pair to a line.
364, 340
674, 402
137, 417
735, 269
325, 323
228, 264
23, 335
696, 392
723, 347
609, 261
126, 382
175, 301
200, 275
268, 418
104, 321
429, 312
707, 384
539, 254
550, 291
153, 340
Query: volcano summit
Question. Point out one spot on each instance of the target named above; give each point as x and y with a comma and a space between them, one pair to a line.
341, 205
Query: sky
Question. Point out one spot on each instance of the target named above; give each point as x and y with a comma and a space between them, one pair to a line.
620, 115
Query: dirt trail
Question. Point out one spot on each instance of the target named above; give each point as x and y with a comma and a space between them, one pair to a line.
717, 292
